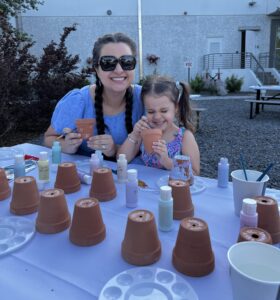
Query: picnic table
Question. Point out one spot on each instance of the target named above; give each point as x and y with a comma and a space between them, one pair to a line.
263, 100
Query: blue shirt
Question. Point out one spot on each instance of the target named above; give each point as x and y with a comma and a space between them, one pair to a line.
78, 104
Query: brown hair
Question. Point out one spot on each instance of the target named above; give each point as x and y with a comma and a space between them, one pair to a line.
177, 92
101, 41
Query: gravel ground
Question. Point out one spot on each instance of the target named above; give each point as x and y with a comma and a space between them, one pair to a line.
226, 131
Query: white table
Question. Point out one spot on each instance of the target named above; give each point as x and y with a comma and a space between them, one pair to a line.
51, 267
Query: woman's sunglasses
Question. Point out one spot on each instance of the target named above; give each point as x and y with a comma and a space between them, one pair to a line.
109, 63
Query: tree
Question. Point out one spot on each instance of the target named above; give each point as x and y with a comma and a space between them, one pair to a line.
12, 7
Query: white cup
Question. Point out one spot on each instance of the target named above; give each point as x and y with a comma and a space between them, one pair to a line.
254, 271
246, 189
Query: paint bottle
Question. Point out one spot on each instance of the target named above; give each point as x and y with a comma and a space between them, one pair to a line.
131, 188
248, 214
56, 153
84, 177
94, 163
19, 168
165, 209
100, 157
223, 172
43, 166
121, 168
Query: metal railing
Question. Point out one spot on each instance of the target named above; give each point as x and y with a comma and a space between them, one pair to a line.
268, 60
244, 60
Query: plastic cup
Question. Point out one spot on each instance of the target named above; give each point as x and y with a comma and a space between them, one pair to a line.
246, 189
254, 271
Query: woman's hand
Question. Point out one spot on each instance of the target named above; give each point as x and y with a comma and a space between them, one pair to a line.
103, 142
72, 141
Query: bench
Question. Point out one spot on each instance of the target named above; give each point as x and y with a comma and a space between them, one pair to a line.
198, 110
263, 102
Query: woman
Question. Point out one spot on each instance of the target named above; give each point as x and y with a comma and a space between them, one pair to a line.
112, 101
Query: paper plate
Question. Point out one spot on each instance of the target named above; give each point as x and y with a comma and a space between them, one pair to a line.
8, 153
197, 187
14, 233
147, 283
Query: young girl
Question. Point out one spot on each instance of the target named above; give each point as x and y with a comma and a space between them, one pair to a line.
166, 103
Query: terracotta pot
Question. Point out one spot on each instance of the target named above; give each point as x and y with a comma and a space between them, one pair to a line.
102, 186
182, 199
248, 234
85, 127
87, 226
141, 245
53, 215
269, 218
192, 254
5, 190
149, 136
25, 198
67, 178
182, 169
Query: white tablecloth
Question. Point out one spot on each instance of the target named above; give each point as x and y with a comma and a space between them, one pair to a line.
51, 267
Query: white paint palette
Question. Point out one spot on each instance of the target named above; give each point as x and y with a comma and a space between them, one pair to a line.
147, 283
14, 233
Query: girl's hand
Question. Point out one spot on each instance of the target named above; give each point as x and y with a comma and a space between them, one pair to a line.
72, 141
160, 149
140, 126
103, 142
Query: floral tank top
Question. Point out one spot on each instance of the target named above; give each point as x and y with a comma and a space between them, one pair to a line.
173, 148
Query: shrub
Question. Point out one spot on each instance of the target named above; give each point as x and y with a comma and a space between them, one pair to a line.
233, 83
197, 84
29, 85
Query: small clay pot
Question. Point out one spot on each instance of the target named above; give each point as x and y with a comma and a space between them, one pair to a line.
67, 178
87, 226
149, 136
102, 186
25, 198
192, 254
269, 218
253, 234
85, 127
5, 190
53, 215
182, 199
141, 245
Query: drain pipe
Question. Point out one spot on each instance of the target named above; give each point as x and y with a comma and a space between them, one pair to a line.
140, 39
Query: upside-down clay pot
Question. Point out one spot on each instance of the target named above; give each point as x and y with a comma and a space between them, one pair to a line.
269, 218
149, 136
53, 215
182, 199
87, 226
253, 234
192, 254
25, 197
67, 178
102, 186
85, 127
5, 190
141, 245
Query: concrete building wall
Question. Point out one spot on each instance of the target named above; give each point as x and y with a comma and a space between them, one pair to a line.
175, 39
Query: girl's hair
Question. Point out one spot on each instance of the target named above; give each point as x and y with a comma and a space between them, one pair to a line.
177, 92
106, 39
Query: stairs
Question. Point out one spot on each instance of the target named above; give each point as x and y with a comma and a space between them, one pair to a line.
267, 79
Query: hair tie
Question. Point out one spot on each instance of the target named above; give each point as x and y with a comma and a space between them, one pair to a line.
180, 89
